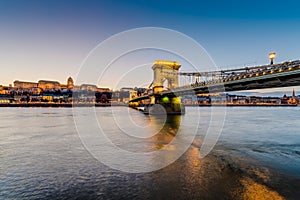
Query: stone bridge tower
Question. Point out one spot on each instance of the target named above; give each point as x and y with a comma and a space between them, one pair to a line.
161, 103
165, 71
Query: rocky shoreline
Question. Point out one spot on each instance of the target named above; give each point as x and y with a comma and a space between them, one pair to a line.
245, 178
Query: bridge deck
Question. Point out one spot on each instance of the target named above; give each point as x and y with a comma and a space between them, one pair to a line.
269, 76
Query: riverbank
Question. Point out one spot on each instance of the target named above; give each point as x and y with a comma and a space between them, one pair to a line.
69, 105
58, 105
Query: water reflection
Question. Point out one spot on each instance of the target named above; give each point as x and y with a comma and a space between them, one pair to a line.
169, 130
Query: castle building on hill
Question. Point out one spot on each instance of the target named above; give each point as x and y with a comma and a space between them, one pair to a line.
49, 85
46, 85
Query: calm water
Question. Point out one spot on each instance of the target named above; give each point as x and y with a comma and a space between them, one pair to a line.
258, 153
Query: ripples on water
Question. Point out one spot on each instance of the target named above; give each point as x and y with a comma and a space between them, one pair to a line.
42, 157
271, 135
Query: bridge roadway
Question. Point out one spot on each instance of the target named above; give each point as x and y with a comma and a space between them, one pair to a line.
269, 76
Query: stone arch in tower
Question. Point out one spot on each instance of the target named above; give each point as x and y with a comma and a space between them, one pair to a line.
165, 71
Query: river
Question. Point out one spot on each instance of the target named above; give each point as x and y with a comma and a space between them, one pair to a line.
42, 155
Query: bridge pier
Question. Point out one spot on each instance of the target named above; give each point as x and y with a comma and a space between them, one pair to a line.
164, 106
160, 106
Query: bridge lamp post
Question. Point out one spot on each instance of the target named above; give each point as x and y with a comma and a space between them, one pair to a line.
272, 55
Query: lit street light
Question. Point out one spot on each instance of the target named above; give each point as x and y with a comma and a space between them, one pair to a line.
272, 55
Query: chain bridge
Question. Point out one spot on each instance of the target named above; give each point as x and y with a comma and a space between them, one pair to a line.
166, 98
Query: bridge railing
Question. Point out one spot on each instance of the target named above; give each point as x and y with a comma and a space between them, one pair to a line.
224, 76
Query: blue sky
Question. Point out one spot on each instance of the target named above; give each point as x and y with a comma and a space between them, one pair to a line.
43, 39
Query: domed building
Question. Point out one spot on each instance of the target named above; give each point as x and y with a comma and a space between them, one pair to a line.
70, 83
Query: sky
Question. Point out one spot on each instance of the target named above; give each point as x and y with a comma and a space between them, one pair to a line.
50, 39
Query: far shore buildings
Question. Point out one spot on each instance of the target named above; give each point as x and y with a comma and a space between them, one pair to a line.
43, 85
204, 99
46, 85
54, 91
46, 90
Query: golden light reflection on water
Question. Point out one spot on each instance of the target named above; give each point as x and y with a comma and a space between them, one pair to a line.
195, 154
167, 133
209, 174
256, 191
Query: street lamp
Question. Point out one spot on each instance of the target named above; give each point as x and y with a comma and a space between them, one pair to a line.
272, 55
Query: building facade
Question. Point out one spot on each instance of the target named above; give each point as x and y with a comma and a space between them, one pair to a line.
88, 87
49, 85
24, 85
